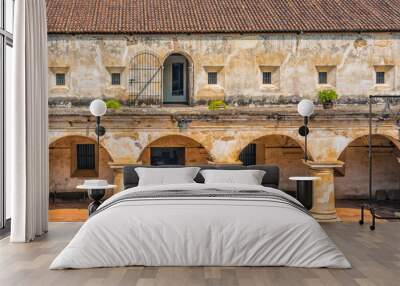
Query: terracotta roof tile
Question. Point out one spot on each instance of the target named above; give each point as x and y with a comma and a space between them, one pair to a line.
221, 16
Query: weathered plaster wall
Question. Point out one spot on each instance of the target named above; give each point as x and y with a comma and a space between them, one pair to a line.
352, 60
221, 137
255, 110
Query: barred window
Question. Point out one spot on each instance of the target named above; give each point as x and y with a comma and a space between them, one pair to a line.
322, 77
212, 78
60, 78
267, 77
116, 79
380, 77
85, 159
248, 156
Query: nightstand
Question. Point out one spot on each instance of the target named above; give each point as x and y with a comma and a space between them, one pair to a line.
304, 193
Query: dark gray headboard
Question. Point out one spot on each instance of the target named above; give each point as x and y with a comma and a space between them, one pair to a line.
271, 177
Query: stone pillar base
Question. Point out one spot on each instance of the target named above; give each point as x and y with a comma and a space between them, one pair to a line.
323, 208
118, 168
326, 217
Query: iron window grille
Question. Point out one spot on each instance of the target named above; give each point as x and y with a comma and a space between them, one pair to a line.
212, 78
167, 156
249, 156
322, 77
380, 77
85, 156
60, 79
267, 77
115, 79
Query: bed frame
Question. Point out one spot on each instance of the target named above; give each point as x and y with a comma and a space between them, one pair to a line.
270, 179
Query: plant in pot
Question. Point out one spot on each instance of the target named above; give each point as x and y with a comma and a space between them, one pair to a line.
327, 97
113, 104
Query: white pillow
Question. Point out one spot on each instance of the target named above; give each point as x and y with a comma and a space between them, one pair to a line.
247, 177
166, 176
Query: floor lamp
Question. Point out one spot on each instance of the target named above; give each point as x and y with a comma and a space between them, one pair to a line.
97, 191
305, 109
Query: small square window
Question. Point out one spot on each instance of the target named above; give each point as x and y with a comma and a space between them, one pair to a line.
212, 78
267, 77
60, 78
380, 77
322, 77
85, 155
116, 79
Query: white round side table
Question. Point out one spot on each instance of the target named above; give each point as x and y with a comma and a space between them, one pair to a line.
95, 193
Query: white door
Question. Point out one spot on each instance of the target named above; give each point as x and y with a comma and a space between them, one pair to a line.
175, 79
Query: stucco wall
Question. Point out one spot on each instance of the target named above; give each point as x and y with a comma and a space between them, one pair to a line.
352, 60
255, 110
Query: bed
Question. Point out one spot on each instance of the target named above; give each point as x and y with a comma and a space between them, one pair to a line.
198, 224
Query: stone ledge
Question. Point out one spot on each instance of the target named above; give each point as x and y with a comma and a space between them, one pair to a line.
284, 112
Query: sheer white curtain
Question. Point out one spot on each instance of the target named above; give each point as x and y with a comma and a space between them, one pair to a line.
27, 124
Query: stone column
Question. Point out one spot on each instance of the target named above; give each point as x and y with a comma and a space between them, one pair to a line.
118, 169
324, 190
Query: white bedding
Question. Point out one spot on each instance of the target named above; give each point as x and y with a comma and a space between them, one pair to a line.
200, 231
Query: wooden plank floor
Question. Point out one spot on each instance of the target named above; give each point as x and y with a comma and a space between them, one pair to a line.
375, 257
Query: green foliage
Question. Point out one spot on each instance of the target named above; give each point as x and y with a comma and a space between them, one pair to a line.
113, 104
216, 104
327, 95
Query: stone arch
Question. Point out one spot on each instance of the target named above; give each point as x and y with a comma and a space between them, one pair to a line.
63, 173
194, 152
351, 181
179, 52
389, 134
293, 136
53, 141
284, 151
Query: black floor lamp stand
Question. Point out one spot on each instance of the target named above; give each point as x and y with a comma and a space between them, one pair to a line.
371, 205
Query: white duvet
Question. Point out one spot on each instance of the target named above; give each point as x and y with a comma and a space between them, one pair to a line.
200, 231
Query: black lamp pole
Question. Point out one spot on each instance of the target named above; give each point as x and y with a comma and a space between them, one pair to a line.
303, 131
305, 138
100, 131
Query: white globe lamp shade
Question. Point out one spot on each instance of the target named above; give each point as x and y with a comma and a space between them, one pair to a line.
305, 108
98, 107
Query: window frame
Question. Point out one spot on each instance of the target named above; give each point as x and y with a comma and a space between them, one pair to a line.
267, 80
115, 81
325, 73
90, 155
212, 78
6, 40
378, 79
60, 80
83, 173
180, 153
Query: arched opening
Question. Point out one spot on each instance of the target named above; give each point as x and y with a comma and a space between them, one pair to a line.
351, 181
175, 150
280, 150
176, 79
72, 159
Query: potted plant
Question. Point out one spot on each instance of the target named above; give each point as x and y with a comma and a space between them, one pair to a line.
113, 104
327, 97
216, 104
